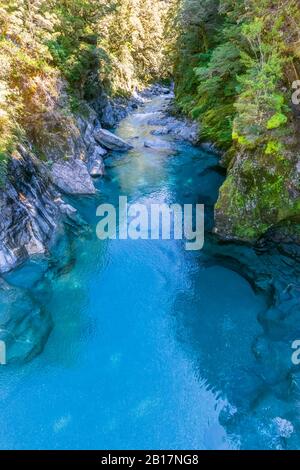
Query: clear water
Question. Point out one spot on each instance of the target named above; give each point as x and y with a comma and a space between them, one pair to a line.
149, 342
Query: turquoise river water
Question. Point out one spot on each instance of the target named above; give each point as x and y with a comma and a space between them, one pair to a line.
150, 346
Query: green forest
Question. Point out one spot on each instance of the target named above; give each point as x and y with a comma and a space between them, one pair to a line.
235, 66
91, 44
234, 63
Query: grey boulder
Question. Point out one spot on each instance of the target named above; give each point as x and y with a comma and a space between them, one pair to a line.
96, 165
111, 141
72, 177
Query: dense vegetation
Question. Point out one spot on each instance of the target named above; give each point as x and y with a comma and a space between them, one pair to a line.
236, 61
115, 44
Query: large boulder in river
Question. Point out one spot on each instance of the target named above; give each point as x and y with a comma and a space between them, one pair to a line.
72, 177
111, 141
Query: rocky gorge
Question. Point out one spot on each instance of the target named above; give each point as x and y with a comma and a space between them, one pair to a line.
32, 205
140, 343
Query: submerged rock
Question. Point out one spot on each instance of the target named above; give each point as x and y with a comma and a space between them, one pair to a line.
72, 177
180, 129
66, 209
24, 325
111, 141
161, 131
271, 374
158, 145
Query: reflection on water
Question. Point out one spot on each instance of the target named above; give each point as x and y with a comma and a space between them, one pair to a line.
142, 344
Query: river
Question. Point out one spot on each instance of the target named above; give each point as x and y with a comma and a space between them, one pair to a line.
151, 344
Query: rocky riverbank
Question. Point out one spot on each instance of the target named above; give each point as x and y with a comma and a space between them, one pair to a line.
70, 154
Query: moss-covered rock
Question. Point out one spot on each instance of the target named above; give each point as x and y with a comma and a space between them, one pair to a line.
261, 191
237, 64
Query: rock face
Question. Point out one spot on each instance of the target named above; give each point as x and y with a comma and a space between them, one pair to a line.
58, 133
63, 136
29, 213
111, 141
72, 177
112, 111
31, 206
